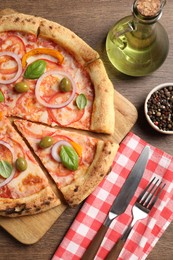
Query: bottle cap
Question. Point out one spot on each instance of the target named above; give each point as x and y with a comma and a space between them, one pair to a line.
148, 7
148, 11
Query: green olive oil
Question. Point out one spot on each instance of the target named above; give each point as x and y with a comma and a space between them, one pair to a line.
136, 47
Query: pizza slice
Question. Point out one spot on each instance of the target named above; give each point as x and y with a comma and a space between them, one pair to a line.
76, 162
24, 188
50, 75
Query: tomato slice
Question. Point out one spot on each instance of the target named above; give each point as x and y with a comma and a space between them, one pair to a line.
5, 192
49, 88
27, 131
66, 115
27, 105
14, 44
22, 153
62, 171
10, 43
58, 137
7, 65
18, 147
5, 154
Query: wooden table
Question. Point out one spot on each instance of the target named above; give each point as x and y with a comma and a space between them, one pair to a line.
91, 20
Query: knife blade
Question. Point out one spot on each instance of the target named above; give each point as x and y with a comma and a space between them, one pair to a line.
120, 203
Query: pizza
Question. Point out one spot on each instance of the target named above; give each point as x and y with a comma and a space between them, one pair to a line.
24, 188
54, 92
81, 161
60, 79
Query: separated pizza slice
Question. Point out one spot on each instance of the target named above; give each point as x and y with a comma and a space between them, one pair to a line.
76, 162
24, 187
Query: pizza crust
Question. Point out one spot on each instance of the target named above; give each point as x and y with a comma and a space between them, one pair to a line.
103, 115
51, 30
36, 203
79, 49
80, 188
19, 22
7, 11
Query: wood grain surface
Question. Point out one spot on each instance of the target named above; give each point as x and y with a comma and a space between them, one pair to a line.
91, 20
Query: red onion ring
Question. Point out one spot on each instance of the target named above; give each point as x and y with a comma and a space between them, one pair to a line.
19, 64
54, 72
13, 171
55, 147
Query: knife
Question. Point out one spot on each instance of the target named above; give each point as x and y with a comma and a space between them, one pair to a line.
120, 203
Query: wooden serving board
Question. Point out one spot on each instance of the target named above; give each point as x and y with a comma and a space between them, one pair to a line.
29, 229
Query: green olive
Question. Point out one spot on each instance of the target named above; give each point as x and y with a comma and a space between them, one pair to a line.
46, 142
65, 85
21, 164
21, 87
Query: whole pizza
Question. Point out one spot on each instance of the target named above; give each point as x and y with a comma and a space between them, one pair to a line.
54, 91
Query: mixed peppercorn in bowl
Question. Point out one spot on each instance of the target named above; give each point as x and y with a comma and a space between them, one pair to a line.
159, 108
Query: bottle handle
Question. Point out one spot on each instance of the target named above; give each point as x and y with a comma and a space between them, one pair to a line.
116, 34
130, 27
163, 3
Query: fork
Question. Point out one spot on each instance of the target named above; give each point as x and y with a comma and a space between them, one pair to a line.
140, 210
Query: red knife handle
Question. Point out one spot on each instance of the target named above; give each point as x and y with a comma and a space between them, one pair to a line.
93, 247
115, 251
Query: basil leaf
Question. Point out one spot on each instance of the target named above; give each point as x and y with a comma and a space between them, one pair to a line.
5, 169
81, 101
1, 97
69, 157
35, 69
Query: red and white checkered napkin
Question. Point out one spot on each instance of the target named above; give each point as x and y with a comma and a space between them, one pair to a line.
145, 233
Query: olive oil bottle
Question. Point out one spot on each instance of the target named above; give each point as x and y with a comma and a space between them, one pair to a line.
138, 44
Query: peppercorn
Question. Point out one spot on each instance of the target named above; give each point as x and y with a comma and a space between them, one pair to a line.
160, 108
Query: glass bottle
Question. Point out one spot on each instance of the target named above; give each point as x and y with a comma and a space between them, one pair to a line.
138, 44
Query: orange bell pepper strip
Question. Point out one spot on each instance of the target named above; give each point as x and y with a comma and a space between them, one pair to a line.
1, 115
77, 148
47, 51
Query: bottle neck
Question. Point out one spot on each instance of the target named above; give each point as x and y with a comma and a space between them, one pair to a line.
143, 31
142, 36
142, 14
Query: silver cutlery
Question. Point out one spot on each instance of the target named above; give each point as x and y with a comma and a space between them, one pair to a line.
140, 210
120, 203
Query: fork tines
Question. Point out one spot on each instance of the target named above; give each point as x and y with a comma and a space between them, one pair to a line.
150, 194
